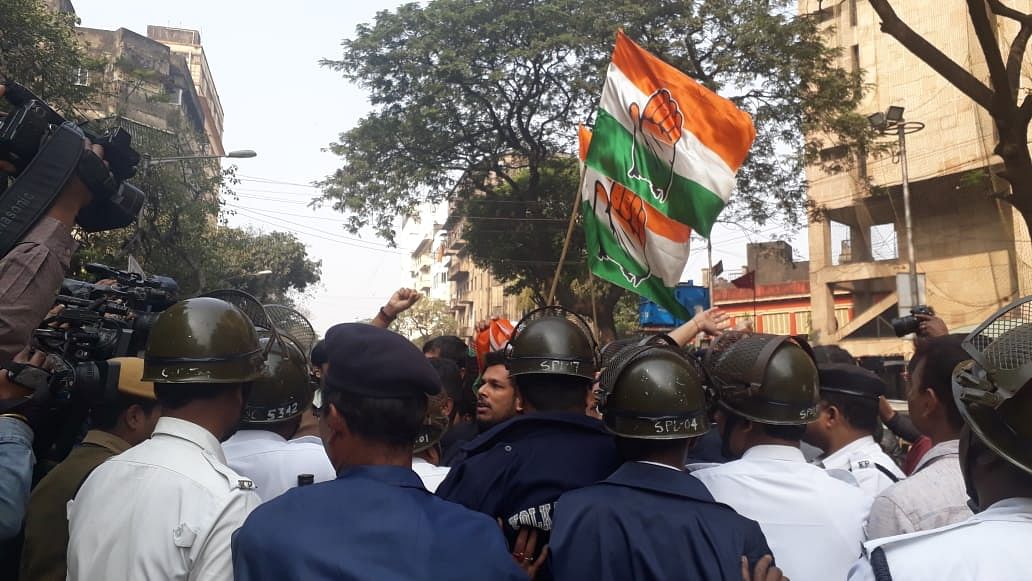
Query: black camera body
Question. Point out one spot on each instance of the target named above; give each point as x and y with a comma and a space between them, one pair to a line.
903, 326
116, 203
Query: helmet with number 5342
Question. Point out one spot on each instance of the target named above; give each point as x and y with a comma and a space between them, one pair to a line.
285, 391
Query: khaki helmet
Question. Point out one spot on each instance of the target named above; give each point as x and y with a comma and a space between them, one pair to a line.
770, 379
286, 389
650, 391
992, 390
435, 424
202, 340
552, 341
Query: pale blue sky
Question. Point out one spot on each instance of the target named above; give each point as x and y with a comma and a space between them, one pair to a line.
278, 101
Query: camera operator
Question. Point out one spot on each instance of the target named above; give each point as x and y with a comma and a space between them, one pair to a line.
32, 272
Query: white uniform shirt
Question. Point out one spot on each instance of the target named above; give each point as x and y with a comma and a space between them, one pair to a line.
812, 521
274, 462
992, 545
432, 476
862, 457
932, 497
164, 509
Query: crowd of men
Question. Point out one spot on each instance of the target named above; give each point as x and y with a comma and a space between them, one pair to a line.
230, 450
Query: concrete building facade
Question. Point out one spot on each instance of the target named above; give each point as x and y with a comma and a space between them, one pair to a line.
187, 43
971, 248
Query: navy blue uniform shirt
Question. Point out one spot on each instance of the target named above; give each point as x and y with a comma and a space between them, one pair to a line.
518, 469
650, 523
372, 522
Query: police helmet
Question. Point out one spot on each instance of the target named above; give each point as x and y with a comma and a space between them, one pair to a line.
552, 341
650, 391
203, 340
770, 379
285, 391
993, 390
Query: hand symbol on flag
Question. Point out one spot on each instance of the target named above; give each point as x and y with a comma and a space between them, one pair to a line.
657, 129
627, 222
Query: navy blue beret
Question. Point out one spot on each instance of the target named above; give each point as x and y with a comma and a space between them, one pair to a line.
373, 362
850, 379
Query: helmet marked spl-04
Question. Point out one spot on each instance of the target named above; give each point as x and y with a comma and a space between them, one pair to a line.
651, 391
993, 390
552, 340
770, 379
203, 340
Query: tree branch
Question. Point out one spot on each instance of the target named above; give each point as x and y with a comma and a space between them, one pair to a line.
1017, 54
933, 57
1001, 9
1004, 91
1025, 112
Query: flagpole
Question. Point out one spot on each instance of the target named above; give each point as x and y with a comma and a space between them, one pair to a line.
569, 235
709, 260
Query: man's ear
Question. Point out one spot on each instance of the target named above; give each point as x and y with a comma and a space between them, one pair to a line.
933, 400
134, 416
447, 408
834, 416
335, 420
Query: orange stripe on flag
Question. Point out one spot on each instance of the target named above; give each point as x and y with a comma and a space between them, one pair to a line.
584, 139
635, 215
706, 114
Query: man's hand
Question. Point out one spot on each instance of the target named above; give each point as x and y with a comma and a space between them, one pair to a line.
662, 118
931, 326
523, 551
885, 411
764, 571
712, 321
401, 301
11, 390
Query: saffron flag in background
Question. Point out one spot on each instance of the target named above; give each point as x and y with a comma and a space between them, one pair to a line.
660, 162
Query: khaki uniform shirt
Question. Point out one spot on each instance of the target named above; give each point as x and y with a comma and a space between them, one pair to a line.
46, 523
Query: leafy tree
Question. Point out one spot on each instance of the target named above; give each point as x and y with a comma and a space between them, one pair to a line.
426, 319
480, 98
1008, 103
38, 49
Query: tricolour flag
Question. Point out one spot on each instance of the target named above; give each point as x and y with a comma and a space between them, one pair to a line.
661, 161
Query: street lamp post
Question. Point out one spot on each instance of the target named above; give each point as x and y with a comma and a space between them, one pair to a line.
149, 161
885, 123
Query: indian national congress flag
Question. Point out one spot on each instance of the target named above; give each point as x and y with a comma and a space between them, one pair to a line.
661, 161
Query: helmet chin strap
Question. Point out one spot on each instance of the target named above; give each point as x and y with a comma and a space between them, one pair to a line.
968, 469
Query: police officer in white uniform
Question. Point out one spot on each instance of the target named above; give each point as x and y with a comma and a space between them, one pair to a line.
847, 417
262, 450
167, 508
994, 395
767, 392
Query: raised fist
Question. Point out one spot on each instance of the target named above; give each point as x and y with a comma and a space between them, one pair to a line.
658, 127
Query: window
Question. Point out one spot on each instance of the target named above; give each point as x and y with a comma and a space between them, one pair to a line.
777, 323
82, 77
830, 154
852, 12
803, 324
842, 317
854, 61
884, 244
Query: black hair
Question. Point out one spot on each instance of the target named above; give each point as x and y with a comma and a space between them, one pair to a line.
176, 395
793, 433
394, 421
464, 402
554, 393
319, 356
832, 354
634, 449
940, 355
448, 347
104, 415
860, 412
492, 358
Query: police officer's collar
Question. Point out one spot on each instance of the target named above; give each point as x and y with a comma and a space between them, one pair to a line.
530, 423
192, 433
401, 476
660, 479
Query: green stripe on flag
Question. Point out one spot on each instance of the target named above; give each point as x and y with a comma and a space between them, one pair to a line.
611, 154
651, 288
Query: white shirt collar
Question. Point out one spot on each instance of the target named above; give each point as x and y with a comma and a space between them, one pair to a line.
938, 451
659, 464
418, 460
774, 452
1007, 508
841, 456
192, 433
257, 436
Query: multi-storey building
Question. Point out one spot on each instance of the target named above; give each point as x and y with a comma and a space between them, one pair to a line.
187, 43
972, 249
